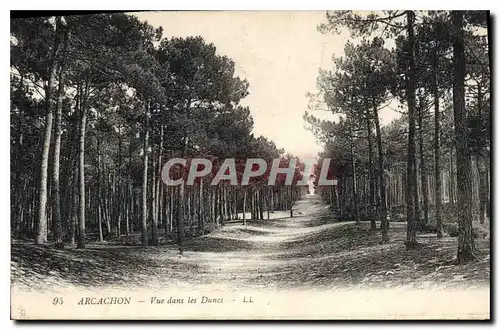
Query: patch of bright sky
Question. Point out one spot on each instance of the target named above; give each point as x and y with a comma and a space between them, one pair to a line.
280, 54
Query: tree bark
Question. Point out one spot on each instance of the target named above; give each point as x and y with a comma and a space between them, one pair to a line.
371, 179
411, 182
201, 210
119, 199
423, 170
41, 235
437, 144
483, 176
154, 219
81, 212
56, 196
144, 209
384, 224
99, 208
73, 209
464, 189
159, 190
244, 207
180, 215
354, 189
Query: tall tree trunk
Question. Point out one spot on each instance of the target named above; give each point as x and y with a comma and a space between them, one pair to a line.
41, 235
154, 219
423, 170
119, 199
130, 190
73, 209
341, 195
181, 206
68, 174
354, 174
99, 208
411, 182
106, 202
269, 193
144, 209
437, 144
168, 211
464, 189
483, 189
483, 176
159, 190
56, 196
371, 177
415, 189
221, 204
201, 210
180, 215
384, 224
272, 200
81, 167
17, 167
215, 210
244, 207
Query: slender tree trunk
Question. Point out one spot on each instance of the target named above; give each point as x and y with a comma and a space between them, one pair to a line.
220, 204
17, 167
268, 201
180, 215
411, 182
119, 201
56, 196
215, 209
483, 189
41, 235
415, 191
159, 190
73, 209
130, 190
99, 208
384, 224
371, 178
144, 209
181, 206
83, 126
154, 219
201, 210
437, 143
168, 212
244, 207
272, 200
354, 174
106, 206
423, 171
341, 197
464, 189
483, 176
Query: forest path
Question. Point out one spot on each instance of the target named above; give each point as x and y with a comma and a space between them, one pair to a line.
238, 254
310, 250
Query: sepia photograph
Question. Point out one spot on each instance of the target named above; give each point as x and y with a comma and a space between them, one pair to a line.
250, 165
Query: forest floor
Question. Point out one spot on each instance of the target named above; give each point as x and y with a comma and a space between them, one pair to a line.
309, 251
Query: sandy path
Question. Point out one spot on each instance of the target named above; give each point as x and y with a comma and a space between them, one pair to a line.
310, 250
251, 252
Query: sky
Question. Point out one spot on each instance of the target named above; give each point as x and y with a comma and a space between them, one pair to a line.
279, 53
